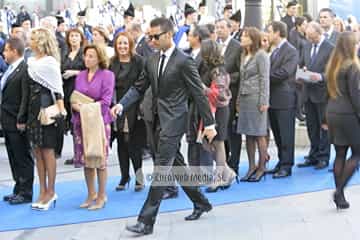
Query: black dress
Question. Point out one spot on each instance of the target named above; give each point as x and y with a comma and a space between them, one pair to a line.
41, 136
68, 84
343, 112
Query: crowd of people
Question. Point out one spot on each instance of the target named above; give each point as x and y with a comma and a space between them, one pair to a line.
147, 87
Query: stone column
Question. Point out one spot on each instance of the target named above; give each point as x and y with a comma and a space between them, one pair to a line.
253, 13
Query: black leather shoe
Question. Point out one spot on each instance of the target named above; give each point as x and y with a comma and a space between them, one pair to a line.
140, 228
197, 212
282, 173
321, 165
9, 197
20, 199
307, 163
169, 195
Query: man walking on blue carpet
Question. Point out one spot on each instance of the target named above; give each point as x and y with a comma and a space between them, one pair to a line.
174, 78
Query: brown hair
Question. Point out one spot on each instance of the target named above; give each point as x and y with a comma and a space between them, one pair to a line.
103, 32
255, 36
77, 30
211, 53
342, 56
101, 54
131, 44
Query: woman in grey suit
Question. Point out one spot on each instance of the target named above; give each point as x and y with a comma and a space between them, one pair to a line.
343, 111
253, 101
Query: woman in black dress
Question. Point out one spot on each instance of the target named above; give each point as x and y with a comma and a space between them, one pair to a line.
45, 89
71, 64
343, 111
129, 128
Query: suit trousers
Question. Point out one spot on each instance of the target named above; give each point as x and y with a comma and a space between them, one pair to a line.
167, 157
282, 122
21, 162
234, 142
320, 146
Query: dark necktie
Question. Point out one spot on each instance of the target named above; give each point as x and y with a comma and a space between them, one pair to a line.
314, 53
162, 62
274, 54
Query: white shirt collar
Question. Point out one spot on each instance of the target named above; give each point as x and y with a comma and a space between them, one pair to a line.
169, 51
321, 41
195, 52
227, 41
330, 31
15, 64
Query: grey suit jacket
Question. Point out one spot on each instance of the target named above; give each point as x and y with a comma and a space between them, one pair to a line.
282, 77
333, 38
254, 77
171, 92
316, 92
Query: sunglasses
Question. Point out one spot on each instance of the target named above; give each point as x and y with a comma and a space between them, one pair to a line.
155, 36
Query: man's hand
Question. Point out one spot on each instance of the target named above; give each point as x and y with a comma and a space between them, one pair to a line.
20, 127
263, 108
116, 110
209, 133
315, 77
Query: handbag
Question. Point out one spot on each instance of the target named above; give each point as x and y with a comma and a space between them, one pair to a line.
78, 97
47, 115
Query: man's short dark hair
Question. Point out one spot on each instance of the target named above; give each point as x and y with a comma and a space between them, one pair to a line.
201, 31
280, 27
299, 21
164, 23
17, 44
329, 10
210, 27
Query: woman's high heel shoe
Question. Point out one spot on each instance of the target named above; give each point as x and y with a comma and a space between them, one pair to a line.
340, 201
98, 205
230, 180
257, 177
248, 175
88, 202
124, 184
46, 206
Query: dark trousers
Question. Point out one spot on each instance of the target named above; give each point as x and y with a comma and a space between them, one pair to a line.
282, 122
129, 146
152, 137
234, 141
21, 162
320, 146
167, 156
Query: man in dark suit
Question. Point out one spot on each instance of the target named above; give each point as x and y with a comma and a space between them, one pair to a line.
284, 60
174, 78
289, 18
236, 25
315, 57
141, 46
60, 35
13, 118
232, 52
326, 19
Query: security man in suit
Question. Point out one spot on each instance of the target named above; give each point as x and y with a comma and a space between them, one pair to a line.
173, 77
14, 84
314, 58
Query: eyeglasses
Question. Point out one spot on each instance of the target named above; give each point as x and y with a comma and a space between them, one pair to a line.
155, 36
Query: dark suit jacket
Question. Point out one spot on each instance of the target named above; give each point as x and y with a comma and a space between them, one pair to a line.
316, 92
61, 43
333, 37
124, 79
282, 77
298, 41
143, 48
179, 81
14, 98
289, 22
232, 57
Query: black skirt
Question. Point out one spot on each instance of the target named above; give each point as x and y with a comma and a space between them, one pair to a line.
344, 129
222, 118
44, 136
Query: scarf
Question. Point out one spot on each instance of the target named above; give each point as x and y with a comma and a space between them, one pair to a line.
46, 72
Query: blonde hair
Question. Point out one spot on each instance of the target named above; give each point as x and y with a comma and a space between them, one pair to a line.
46, 42
343, 56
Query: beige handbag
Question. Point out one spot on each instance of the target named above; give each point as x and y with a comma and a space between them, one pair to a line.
46, 115
78, 97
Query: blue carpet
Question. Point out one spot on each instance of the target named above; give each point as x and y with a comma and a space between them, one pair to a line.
128, 203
